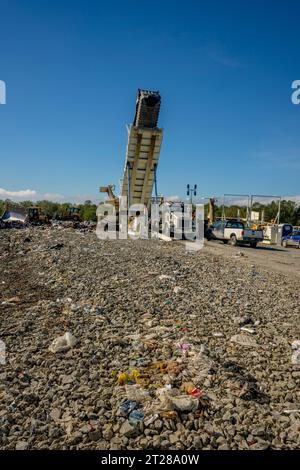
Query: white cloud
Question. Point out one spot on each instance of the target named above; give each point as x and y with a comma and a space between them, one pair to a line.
23, 193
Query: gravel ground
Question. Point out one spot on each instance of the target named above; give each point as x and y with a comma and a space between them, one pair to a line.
173, 350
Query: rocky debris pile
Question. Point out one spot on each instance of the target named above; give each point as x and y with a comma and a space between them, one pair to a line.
85, 225
142, 345
62, 224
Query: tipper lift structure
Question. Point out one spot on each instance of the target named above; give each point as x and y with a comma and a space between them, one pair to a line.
142, 153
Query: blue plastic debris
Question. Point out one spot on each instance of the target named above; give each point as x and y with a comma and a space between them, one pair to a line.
135, 417
127, 407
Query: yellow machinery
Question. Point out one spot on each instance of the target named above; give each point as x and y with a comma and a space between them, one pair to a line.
35, 216
112, 199
71, 214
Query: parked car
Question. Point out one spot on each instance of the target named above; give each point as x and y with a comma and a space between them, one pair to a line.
292, 240
234, 232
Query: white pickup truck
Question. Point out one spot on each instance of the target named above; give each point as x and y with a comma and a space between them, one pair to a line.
234, 232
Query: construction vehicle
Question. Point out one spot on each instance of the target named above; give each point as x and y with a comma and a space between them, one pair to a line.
142, 155
139, 179
143, 149
71, 214
35, 216
15, 213
112, 199
74, 214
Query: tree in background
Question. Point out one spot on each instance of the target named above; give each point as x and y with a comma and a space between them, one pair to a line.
88, 211
290, 211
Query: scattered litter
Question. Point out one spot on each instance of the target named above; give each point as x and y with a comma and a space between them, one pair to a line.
11, 300
169, 414
184, 346
127, 407
177, 289
190, 389
296, 357
135, 417
242, 321
164, 276
244, 340
57, 246
184, 403
125, 378
63, 343
141, 363
137, 393
151, 419
248, 330
296, 410
296, 353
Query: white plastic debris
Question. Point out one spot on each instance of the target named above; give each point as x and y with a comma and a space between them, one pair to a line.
296, 357
177, 289
151, 419
296, 353
248, 330
163, 277
136, 393
244, 340
183, 403
63, 343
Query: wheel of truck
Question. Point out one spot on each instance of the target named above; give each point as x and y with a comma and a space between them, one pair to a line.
253, 244
233, 240
284, 244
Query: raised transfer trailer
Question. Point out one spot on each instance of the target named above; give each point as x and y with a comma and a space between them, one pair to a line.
143, 148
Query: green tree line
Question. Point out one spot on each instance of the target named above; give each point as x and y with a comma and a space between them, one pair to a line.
290, 211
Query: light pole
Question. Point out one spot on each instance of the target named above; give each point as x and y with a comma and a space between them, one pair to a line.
190, 191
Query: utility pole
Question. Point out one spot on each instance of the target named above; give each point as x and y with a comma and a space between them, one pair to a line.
190, 191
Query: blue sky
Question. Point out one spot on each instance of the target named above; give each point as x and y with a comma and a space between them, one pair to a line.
224, 68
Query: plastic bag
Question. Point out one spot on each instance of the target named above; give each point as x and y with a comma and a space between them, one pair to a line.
63, 343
